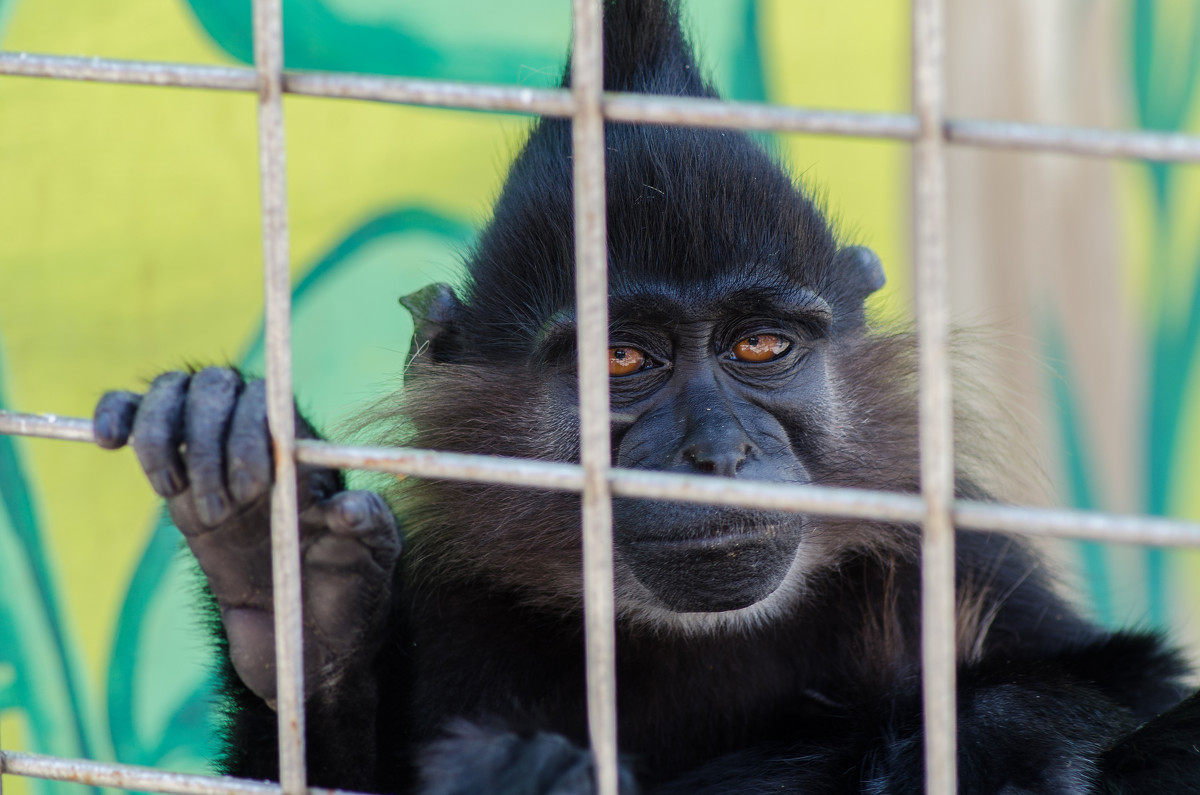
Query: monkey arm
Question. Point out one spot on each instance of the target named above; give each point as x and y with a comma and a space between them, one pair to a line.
203, 443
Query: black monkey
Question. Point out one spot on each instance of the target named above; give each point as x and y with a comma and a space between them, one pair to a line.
757, 651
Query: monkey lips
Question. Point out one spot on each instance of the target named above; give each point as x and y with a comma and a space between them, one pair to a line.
701, 559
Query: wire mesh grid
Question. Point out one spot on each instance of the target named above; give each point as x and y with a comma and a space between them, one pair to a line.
588, 106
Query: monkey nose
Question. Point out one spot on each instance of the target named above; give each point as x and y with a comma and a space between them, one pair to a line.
720, 456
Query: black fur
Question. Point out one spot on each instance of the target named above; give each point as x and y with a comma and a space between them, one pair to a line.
756, 652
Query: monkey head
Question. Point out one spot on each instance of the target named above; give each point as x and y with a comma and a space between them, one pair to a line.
728, 294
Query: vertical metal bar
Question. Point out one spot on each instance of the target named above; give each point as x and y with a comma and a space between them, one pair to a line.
935, 405
285, 537
591, 299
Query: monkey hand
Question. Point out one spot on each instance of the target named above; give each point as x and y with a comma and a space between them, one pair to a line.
475, 759
203, 442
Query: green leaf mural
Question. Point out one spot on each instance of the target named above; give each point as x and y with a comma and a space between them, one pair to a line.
38, 681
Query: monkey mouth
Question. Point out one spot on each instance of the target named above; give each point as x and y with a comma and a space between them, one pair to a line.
698, 559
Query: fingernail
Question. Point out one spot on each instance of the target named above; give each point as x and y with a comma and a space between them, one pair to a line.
212, 508
352, 513
103, 429
166, 483
242, 485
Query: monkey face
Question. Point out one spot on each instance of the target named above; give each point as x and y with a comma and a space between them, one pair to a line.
732, 385
729, 301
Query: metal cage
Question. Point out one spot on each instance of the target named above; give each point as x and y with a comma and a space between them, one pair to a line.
927, 129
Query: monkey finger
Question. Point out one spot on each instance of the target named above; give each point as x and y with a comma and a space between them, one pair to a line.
158, 432
364, 516
248, 451
113, 420
211, 397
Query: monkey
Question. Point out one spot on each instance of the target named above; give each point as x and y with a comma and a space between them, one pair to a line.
757, 650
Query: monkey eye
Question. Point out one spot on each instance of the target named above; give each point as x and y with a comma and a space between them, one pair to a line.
760, 348
623, 360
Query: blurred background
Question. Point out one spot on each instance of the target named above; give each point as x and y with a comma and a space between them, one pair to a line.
130, 244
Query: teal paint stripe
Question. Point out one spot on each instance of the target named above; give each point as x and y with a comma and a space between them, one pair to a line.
164, 544
1076, 455
317, 38
749, 80
1165, 74
6, 9
15, 495
1142, 67
405, 219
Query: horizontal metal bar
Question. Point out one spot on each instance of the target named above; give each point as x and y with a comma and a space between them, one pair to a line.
131, 777
689, 111
819, 500
1091, 142
699, 112
48, 426
144, 73
437, 93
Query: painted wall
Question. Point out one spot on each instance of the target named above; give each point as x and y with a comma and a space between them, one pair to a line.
129, 244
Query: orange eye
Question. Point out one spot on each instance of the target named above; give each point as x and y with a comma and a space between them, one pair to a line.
760, 348
623, 361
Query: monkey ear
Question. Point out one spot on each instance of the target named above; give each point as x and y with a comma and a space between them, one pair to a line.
437, 322
860, 271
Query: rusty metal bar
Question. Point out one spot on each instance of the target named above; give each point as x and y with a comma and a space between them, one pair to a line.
935, 407
435, 93
46, 426
623, 107
142, 73
285, 534
132, 777
591, 303
700, 112
1084, 141
816, 500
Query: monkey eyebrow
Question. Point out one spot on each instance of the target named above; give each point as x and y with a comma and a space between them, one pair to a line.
650, 308
793, 303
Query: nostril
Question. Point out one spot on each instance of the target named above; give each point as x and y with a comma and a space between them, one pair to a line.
707, 467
